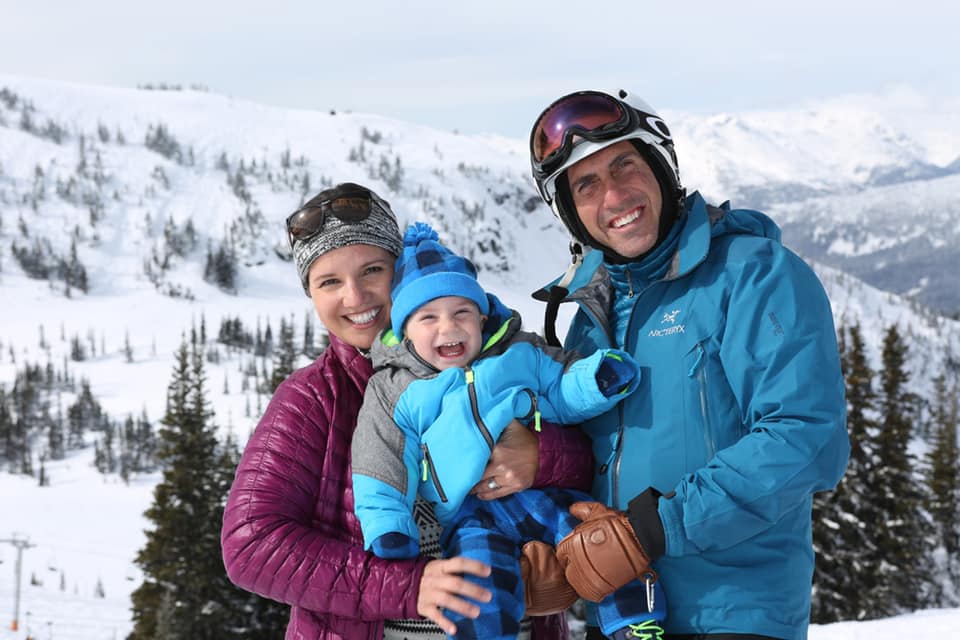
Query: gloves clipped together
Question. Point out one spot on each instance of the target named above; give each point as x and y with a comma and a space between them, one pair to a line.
602, 553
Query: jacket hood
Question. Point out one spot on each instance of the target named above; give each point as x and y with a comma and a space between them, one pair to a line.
726, 221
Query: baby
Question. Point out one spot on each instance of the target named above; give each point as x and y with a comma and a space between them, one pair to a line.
433, 410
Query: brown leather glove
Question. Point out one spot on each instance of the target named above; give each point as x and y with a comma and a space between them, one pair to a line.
545, 589
602, 553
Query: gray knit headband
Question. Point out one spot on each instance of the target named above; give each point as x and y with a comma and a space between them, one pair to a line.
378, 229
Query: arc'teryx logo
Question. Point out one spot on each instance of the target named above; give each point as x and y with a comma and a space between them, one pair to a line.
669, 318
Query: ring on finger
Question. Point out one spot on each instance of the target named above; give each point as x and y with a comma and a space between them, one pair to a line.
492, 485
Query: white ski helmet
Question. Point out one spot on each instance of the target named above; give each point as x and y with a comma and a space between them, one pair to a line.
580, 124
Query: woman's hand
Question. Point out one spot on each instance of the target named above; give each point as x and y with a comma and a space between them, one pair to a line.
512, 466
443, 587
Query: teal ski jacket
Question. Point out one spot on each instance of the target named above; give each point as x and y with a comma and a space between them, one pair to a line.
427, 431
739, 418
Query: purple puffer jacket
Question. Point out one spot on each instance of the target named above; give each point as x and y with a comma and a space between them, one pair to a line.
289, 530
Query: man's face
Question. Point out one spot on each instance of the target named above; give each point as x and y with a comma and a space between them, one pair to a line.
618, 199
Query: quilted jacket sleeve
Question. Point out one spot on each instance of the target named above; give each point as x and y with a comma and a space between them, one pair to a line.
287, 532
565, 456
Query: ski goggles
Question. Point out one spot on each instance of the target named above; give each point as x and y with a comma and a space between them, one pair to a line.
349, 203
590, 115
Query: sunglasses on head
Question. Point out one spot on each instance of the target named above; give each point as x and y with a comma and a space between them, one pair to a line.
590, 115
347, 202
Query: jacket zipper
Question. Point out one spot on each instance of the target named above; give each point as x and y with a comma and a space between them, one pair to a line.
534, 412
615, 479
699, 369
474, 407
621, 431
430, 470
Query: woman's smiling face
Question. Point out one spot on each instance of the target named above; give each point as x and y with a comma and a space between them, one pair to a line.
350, 289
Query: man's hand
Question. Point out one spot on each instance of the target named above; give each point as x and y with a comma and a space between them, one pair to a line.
512, 466
602, 553
545, 589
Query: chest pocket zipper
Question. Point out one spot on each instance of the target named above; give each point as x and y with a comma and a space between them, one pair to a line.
430, 471
475, 407
699, 372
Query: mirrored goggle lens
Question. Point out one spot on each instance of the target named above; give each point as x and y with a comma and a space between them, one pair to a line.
309, 220
577, 113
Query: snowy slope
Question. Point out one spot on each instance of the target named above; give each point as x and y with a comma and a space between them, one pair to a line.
475, 190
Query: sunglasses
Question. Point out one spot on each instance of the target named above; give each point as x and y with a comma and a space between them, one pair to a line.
347, 202
590, 115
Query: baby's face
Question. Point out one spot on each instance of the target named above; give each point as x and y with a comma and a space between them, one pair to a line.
446, 332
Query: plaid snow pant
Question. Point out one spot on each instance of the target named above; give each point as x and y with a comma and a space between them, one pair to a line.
494, 533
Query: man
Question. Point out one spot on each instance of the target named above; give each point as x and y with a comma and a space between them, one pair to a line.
709, 468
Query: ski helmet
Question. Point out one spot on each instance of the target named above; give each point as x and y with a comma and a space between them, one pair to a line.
582, 123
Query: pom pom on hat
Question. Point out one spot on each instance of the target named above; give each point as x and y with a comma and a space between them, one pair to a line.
417, 233
427, 270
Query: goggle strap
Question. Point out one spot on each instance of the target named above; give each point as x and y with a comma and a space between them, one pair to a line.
558, 292
576, 259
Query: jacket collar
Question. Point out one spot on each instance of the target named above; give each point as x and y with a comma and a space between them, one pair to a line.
691, 250
356, 364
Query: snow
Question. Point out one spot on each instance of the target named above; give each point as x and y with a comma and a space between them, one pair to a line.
88, 527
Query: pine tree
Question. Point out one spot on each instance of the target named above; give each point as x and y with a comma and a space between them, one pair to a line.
903, 546
844, 519
178, 561
309, 346
185, 593
943, 476
285, 355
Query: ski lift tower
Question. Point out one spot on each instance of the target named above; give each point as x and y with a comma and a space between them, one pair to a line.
19, 544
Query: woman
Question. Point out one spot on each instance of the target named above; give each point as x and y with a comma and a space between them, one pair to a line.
289, 529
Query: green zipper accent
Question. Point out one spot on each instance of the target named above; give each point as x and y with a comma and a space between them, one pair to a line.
534, 411
475, 407
428, 463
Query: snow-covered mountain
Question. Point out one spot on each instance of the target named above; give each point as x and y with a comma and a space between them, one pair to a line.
861, 183
143, 188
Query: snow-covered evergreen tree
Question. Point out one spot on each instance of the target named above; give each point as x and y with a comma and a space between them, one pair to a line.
844, 519
186, 593
903, 541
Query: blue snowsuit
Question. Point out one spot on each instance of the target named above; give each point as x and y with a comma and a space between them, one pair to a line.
740, 416
431, 432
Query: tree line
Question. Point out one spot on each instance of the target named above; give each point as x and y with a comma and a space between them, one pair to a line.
886, 538
47, 412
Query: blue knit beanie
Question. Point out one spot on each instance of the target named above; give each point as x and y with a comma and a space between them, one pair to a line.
427, 270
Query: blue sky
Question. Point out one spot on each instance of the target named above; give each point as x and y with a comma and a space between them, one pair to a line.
491, 66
